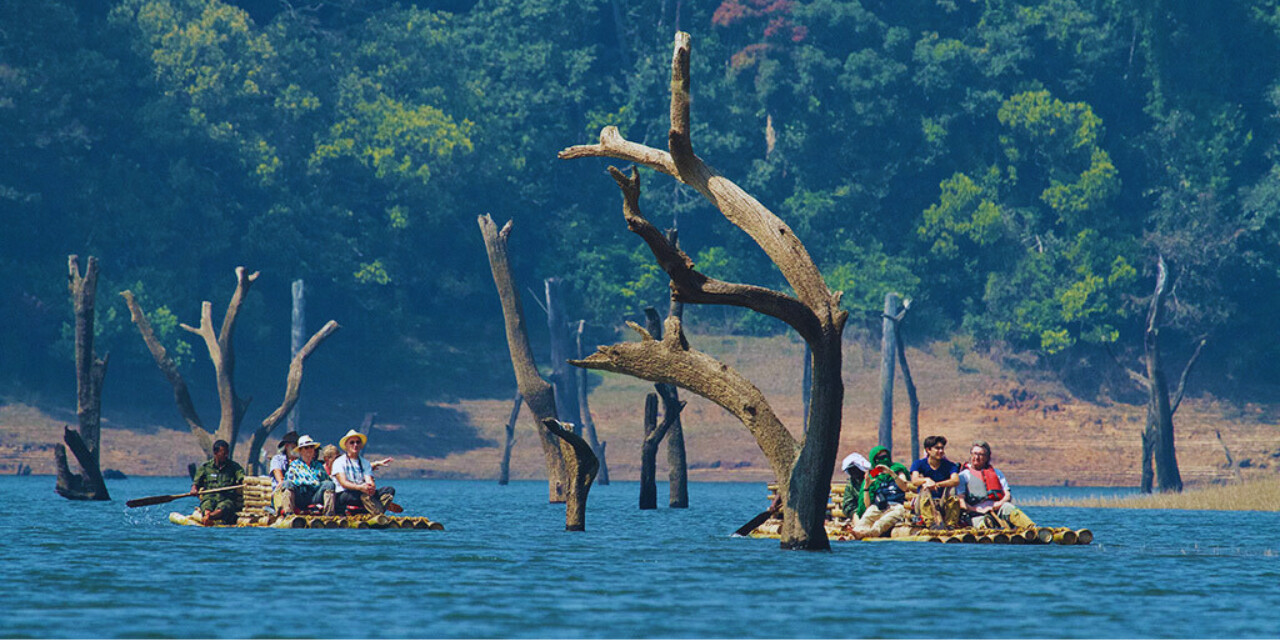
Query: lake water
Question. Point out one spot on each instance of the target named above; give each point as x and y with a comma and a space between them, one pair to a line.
505, 567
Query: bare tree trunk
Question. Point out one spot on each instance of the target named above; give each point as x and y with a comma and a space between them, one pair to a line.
1149, 450
1159, 408
803, 470
911, 389
90, 372
504, 469
649, 454
293, 388
588, 425
564, 380
806, 382
366, 425
677, 461
297, 338
538, 394
888, 347
582, 466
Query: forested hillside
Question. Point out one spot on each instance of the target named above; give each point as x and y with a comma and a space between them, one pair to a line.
1014, 167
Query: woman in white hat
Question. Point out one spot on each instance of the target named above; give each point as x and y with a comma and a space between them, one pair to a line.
353, 476
311, 484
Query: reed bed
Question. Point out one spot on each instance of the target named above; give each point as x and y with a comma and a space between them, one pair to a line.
1261, 494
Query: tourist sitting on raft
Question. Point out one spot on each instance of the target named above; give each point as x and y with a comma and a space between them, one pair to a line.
329, 453
857, 467
935, 479
884, 496
353, 476
986, 493
216, 473
281, 490
307, 481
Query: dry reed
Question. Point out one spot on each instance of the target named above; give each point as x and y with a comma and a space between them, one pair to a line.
1260, 494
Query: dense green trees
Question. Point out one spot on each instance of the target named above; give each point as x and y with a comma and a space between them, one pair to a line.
1014, 166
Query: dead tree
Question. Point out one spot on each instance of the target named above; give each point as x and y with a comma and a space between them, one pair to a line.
588, 424
653, 435
912, 397
888, 357
653, 432
803, 470
677, 461
90, 372
564, 378
1157, 435
293, 387
221, 352
297, 334
504, 468
571, 464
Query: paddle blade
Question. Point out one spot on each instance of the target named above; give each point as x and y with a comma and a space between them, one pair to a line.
146, 502
751, 524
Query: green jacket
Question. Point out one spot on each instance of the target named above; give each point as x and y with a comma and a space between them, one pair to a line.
208, 476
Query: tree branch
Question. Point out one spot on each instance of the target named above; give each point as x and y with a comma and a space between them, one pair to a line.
667, 361
293, 388
181, 396
1186, 371
690, 285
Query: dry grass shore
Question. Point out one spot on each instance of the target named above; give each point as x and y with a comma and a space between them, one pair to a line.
1258, 494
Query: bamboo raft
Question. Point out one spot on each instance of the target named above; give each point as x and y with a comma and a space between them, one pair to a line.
257, 499
839, 528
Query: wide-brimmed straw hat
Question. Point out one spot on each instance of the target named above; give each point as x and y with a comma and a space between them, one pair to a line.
342, 443
306, 441
289, 438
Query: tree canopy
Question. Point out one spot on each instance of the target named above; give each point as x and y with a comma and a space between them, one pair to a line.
1014, 166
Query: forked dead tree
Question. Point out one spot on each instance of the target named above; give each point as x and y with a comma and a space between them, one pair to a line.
804, 469
1157, 434
571, 464
222, 353
654, 432
90, 372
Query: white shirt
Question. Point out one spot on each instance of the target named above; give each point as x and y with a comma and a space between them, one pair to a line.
354, 471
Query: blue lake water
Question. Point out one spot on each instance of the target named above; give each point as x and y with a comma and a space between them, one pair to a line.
506, 568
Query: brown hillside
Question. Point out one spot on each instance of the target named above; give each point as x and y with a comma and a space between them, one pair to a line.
1041, 434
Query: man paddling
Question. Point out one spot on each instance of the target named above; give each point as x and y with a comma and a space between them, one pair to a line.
354, 478
219, 472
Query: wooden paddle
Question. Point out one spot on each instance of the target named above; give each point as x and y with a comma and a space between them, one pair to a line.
146, 502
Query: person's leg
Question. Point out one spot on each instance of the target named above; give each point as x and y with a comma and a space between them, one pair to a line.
1015, 517
895, 514
862, 528
346, 499
387, 496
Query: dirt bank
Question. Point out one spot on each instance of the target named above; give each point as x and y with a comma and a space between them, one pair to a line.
1041, 434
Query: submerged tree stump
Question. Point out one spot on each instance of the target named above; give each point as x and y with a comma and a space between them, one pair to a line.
90, 372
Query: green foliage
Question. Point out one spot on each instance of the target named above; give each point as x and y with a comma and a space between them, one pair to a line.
1013, 166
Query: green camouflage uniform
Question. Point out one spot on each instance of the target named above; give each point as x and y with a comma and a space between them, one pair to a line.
208, 476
